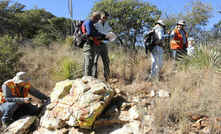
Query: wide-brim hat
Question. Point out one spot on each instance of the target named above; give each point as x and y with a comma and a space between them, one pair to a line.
21, 77
181, 22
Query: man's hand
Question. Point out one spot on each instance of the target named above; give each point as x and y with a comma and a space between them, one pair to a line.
27, 100
46, 101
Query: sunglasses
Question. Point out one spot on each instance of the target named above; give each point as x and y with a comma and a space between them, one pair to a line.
104, 17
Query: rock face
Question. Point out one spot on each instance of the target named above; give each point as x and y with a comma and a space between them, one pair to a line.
21, 126
75, 103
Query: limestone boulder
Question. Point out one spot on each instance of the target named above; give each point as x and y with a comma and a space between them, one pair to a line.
60, 90
76, 103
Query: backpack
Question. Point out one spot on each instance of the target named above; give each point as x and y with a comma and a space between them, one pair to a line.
78, 37
149, 40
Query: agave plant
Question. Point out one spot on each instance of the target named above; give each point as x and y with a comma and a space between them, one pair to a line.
204, 57
67, 68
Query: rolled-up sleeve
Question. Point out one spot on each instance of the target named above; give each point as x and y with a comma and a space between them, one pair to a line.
38, 94
108, 28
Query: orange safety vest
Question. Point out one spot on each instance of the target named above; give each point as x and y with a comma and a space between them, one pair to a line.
2, 99
15, 90
177, 41
96, 41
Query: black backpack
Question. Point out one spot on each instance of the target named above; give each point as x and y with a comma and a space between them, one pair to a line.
78, 37
149, 40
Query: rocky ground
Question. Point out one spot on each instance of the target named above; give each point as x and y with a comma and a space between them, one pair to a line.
90, 106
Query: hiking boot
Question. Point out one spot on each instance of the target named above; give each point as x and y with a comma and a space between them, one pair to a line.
5, 124
107, 79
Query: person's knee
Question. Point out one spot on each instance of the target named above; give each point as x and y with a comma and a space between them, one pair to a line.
34, 110
10, 106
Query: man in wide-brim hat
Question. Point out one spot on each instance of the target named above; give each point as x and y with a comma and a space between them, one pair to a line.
179, 43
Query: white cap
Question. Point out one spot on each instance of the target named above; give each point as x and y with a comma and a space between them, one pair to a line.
21, 77
160, 22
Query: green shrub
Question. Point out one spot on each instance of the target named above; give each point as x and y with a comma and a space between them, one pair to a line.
67, 68
204, 57
9, 57
69, 41
43, 39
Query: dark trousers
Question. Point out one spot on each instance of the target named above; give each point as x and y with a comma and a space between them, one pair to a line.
12, 111
102, 51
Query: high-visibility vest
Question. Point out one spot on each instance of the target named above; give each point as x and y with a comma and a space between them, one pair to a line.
177, 41
2, 99
15, 90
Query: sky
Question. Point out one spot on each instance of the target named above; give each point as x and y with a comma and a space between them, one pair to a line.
82, 8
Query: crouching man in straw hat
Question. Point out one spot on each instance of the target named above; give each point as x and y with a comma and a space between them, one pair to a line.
15, 98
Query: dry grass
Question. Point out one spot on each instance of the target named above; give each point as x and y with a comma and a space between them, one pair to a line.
43, 63
128, 65
193, 90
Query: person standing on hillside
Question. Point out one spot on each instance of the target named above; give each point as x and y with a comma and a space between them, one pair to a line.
178, 42
191, 46
101, 50
93, 37
15, 98
157, 50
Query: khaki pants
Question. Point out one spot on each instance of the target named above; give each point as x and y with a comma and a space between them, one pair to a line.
88, 52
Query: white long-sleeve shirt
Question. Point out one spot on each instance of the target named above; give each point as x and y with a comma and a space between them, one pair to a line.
190, 50
103, 27
159, 34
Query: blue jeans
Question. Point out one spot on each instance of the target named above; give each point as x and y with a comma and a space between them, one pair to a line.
12, 111
7, 109
157, 61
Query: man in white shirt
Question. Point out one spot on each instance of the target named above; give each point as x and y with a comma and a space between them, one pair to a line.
190, 48
101, 50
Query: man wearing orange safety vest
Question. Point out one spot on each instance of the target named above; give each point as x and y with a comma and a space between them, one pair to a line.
15, 98
178, 43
